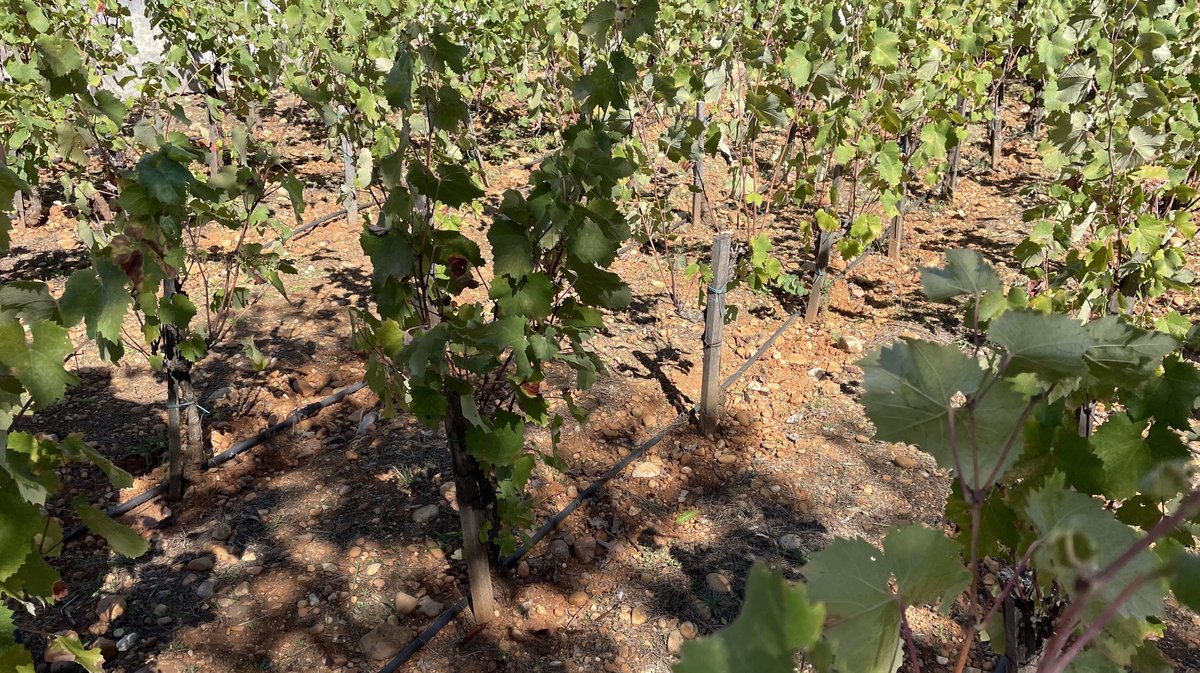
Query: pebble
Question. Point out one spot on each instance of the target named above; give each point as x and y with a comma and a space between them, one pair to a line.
942, 661
160, 610
429, 607
674, 642
851, 345
687, 630
719, 583
560, 550
585, 549
638, 616
206, 589
646, 470
222, 531
110, 608
373, 569
202, 564
790, 542
578, 599
384, 641
523, 569
405, 603
425, 514
905, 462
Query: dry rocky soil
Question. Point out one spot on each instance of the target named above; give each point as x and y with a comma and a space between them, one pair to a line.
331, 547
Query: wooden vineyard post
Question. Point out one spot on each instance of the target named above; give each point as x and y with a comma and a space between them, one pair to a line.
996, 126
896, 235
698, 177
955, 155
170, 351
348, 173
471, 487
1038, 113
351, 201
714, 329
697, 196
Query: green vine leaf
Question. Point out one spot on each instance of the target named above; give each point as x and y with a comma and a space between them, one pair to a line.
38, 364
853, 579
123, 540
777, 620
965, 272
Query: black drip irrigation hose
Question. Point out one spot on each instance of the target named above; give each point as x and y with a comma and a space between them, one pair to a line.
325, 219
286, 424
550, 524
292, 419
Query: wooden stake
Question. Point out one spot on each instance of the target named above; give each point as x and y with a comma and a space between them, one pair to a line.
955, 154
471, 487
714, 329
896, 235
996, 126
896, 239
698, 176
170, 351
351, 201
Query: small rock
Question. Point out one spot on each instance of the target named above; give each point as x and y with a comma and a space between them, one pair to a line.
638, 616
790, 542
202, 564
687, 630
719, 583
127, 641
110, 608
384, 641
560, 550
206, 589
523, 569
578, 599
107, 647
942, 661
849, 344
674, 641
404, 603
429, 607
311, 382
222, 531
373, 569
646, 470
160, 610
905, 462
585, 549
425, 514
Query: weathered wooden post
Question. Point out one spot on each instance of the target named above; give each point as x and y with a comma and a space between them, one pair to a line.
348, 172
996, 126
951, 180
473, 493
698, 177
896, 235
714, 329
351, 200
